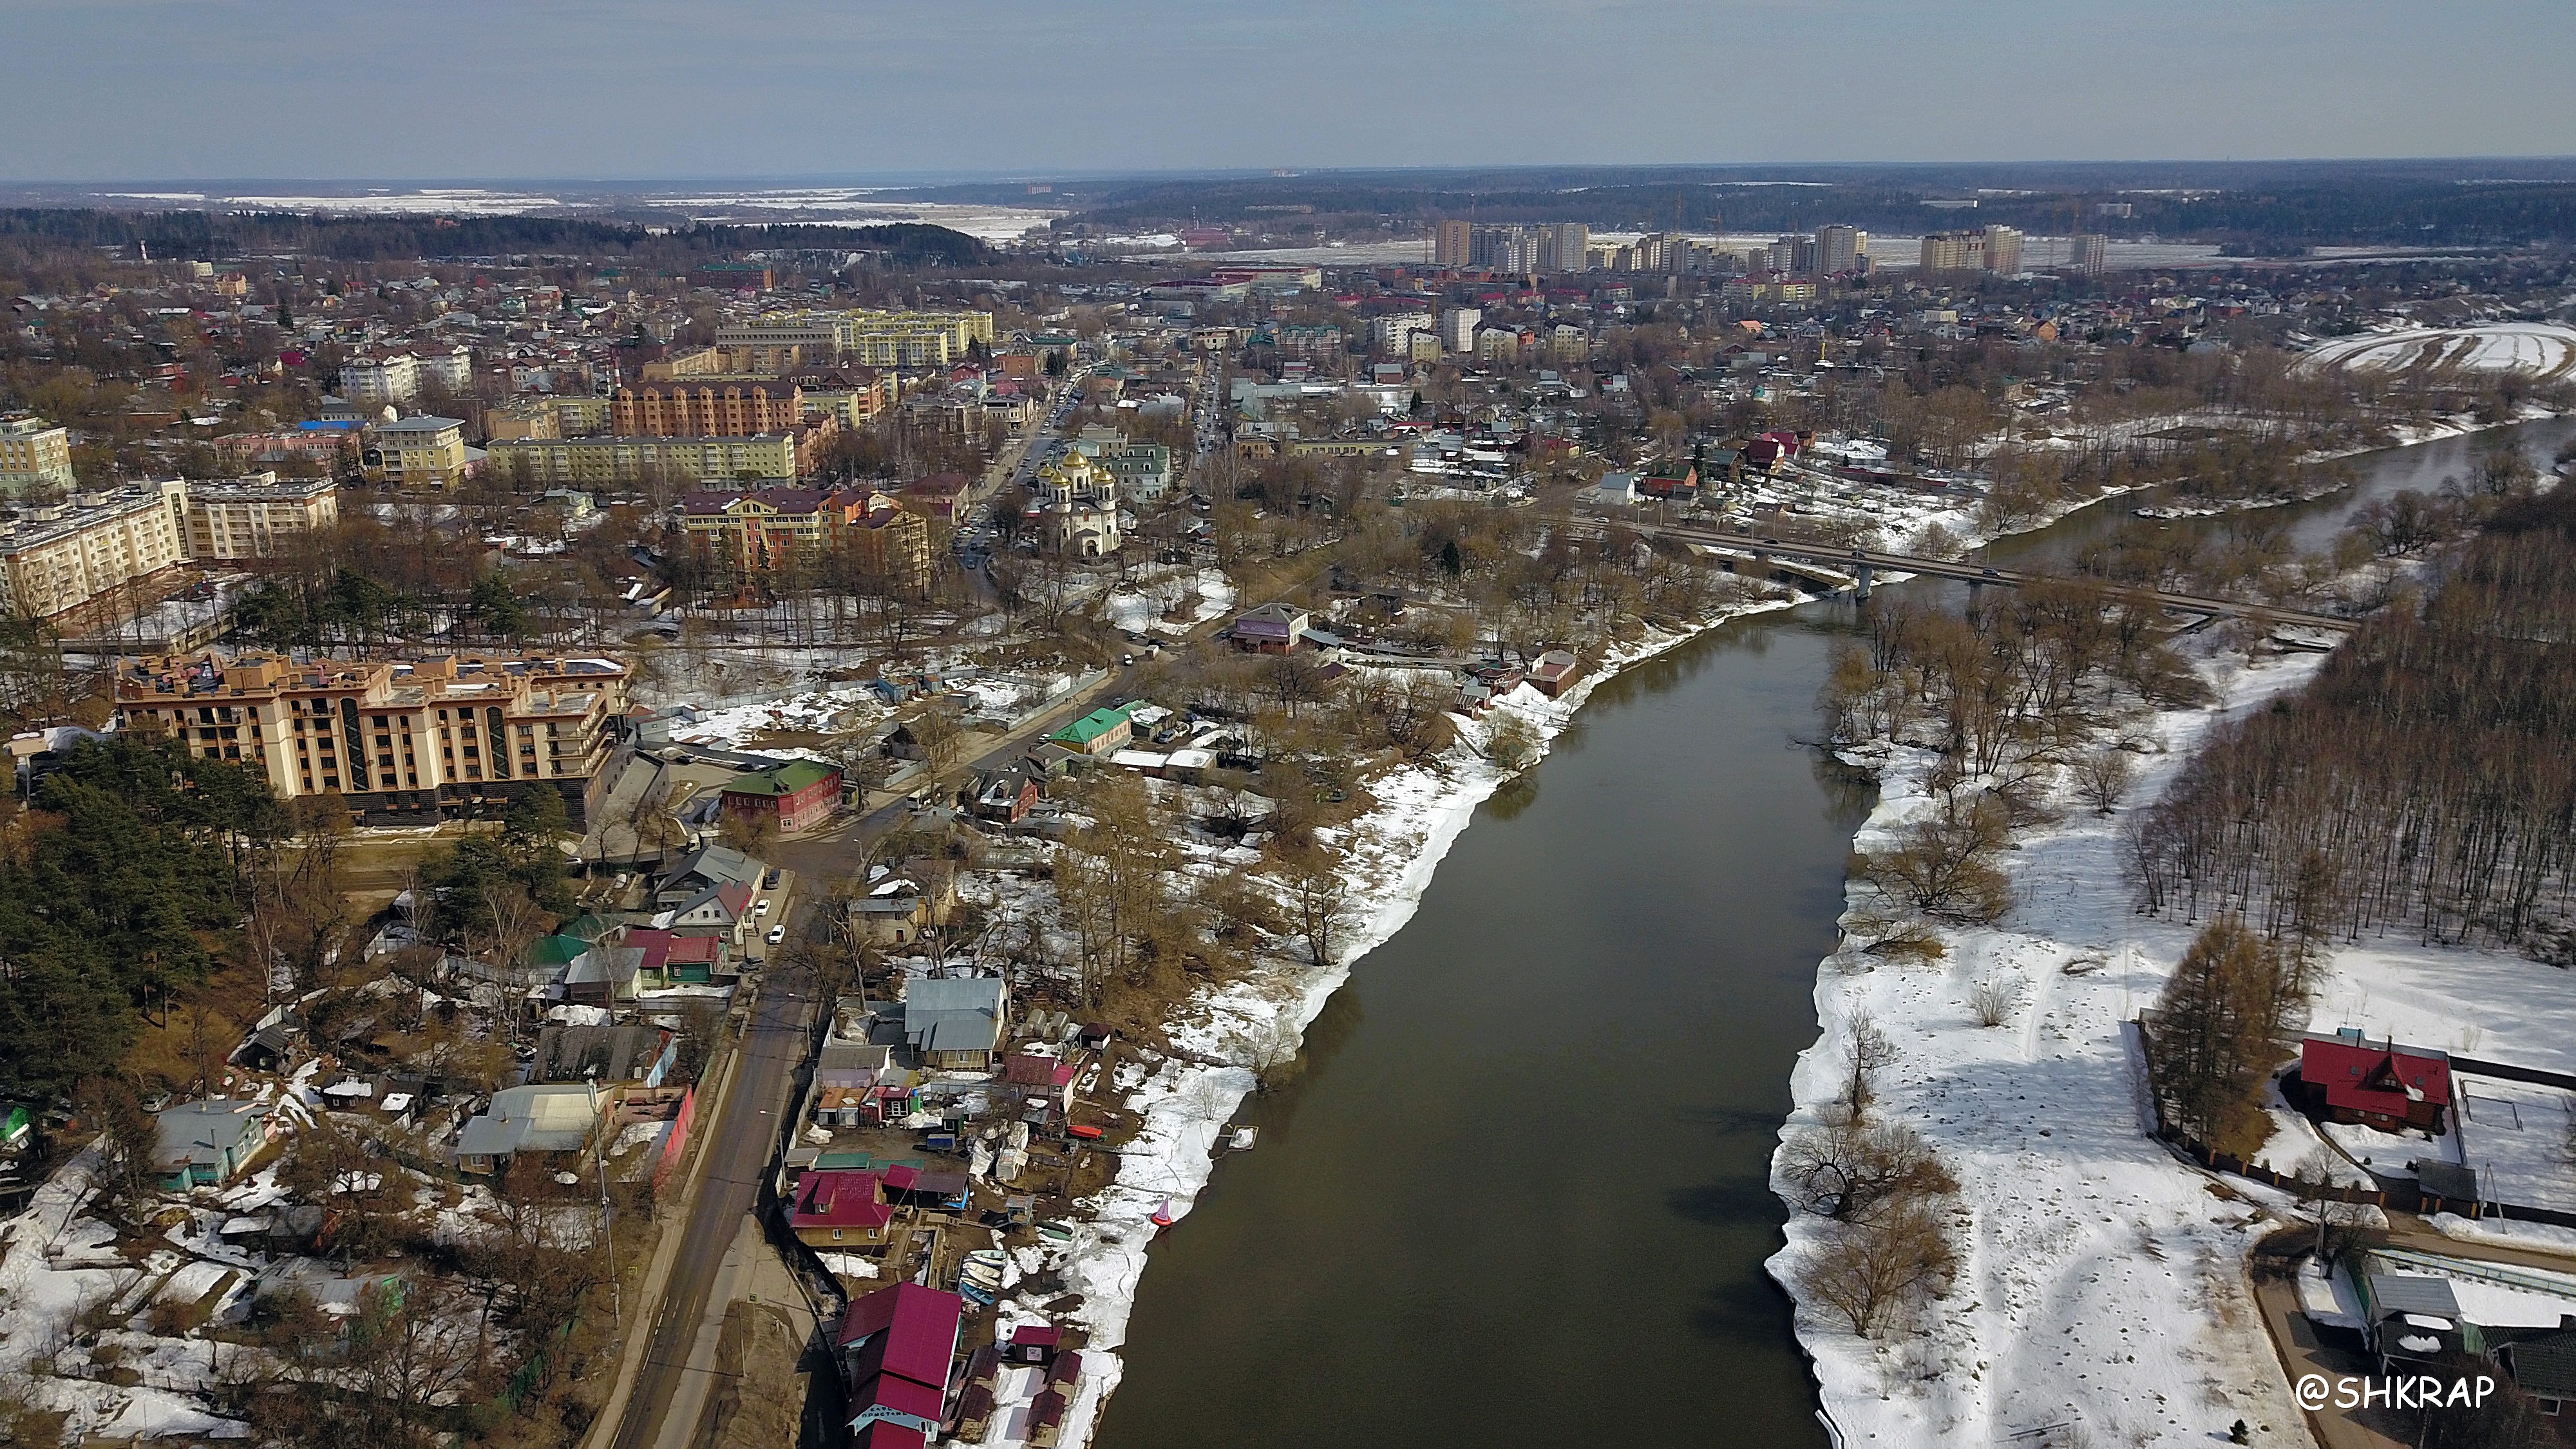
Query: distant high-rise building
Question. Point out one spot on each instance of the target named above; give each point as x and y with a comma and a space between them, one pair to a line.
1458, 328
1567, 247
1449, 244
2122, 209
2003, 250
2089, 254
1947, 251
1839, 248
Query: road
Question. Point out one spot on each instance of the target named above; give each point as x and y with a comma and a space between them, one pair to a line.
737, 1145
1858, 560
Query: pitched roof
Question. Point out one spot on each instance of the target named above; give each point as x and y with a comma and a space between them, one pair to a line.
841, 1200
906, 1331
787, 779
1093, 725
2358, 1076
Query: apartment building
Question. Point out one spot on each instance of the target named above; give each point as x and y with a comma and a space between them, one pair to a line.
1310, 344
2089, 254
757, 531
421, 452
1839, 249
871, 337
680, 409
398, 741
228, 520
1458, 328
1392, 335
612, 461
388, 379
1987, 249
34, 454
1450, 244
56, 557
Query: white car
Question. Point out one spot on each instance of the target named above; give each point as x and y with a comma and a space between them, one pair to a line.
777, 933
763, 908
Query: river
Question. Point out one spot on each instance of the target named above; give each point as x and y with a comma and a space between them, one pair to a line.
1520, 1191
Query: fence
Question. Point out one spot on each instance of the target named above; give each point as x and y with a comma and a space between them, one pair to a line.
2400, 1193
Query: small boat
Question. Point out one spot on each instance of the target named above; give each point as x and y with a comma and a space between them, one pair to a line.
1243, 1139
982, 1297
1056, 1232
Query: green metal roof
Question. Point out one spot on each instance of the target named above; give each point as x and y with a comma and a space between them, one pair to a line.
787, 779
556, 950
1092, 726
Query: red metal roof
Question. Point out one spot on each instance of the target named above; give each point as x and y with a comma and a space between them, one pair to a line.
2361, 1077
1035, 1335
906, 1330
841, 1199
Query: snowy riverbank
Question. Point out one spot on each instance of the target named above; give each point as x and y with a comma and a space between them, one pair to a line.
2100, 1279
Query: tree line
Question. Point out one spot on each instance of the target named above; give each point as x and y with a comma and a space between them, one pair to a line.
2424, 781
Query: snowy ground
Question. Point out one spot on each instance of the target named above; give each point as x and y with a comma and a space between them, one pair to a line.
2545, 351
2100, 1281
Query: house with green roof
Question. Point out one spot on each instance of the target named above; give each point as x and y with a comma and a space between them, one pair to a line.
795, 796
1097, 733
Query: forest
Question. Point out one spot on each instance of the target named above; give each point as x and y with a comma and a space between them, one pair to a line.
2424, 781
389, 238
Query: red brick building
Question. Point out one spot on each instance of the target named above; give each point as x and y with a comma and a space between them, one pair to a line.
795, 796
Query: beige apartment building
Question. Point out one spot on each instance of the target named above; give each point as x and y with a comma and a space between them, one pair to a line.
34, 454
705, 409
605, 462
59, 556
876, 338
245, 518
399, 741
422, 452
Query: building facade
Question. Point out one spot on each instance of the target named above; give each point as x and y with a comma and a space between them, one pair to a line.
425, 739
1450, 242
56, 557
756, 532
245, 518
421, 452
616, 462
1077, 507
703, 409
34, 454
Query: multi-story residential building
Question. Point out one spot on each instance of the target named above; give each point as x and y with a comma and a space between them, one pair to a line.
760, 531
1310, 344
423, 739
2089, 254
705, 409
1450, 243
873, 338
1839, 249
1392, 335
56, 557
1458, 328
253, 517
855, 395
34, 454
2003, 250
1567, 247
610, 462
451, 368
695, 362
421, 452
394, 378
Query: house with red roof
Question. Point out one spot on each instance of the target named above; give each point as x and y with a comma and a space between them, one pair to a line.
2347, 1077
840, 1211
896, 1347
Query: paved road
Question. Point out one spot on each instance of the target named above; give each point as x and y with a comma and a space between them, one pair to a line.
738, 1145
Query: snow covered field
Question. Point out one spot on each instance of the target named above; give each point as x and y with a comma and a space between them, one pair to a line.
2545, 351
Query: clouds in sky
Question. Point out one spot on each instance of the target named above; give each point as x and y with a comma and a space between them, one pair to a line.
135, 89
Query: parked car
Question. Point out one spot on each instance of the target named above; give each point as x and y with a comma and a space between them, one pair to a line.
776, 934
763, 908
769, 882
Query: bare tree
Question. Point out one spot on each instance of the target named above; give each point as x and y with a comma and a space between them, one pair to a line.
2102, 778
1871, 1272
1867, 1051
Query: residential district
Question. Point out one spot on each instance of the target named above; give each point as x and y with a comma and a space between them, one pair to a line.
697, 781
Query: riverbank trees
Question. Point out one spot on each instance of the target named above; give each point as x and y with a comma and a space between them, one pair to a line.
2424, 781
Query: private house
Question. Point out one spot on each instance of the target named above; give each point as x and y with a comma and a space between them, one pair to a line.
1271, 629
2345, 1078
671, 958
1554, 672
1043, 1073
707, 866
795, 796
722, 911
1101, 732
538, 1119
609, 1055
1681, 486
840, 1211
955, 1022
202, 1144
896, 1347
894, 914
1006, 797
603, 976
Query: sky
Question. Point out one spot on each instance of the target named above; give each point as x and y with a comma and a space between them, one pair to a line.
129, 90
